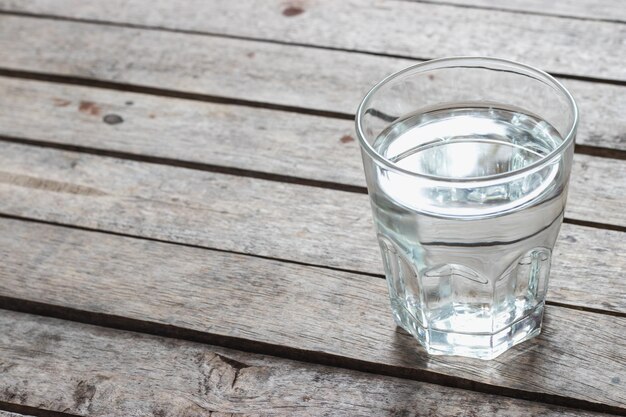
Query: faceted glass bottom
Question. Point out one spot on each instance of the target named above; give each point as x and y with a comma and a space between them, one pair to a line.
475, 345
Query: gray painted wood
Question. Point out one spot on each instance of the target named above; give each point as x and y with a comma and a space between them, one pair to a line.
612, 10
273, 142
277, 74
308, 310
103, 372
418, 30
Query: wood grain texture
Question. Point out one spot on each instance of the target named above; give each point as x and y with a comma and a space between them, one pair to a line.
311, 312
177, 205
612, 10
285, 221
597, 187
207, 208
583, 255
420, 30
277, 74
103, 372
240, 137
275, 142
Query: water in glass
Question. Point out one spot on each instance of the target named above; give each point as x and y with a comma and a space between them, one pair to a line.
499, 235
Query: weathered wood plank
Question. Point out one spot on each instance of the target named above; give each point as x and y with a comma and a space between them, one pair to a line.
612, 10
257, 71
594, 195
418, 30
7, 414
600, 260
103, 372
322, 312
293, 222
273, 142
237, 136
609, 193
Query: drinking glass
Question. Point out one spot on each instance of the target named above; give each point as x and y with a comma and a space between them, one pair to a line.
467, 162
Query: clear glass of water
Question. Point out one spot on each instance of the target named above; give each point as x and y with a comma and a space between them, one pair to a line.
467, 162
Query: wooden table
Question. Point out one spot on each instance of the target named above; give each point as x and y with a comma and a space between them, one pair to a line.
184, 227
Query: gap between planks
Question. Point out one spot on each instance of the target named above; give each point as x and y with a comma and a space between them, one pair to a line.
598, 151
163, 92
104, 315
588, 309
216, 249
564, 75
39, 260
209, 375
331, 227
19, 410
514, 9
258, 80
204, 167
291, 353
243, 138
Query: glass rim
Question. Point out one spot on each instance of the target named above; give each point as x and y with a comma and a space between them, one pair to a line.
442, 63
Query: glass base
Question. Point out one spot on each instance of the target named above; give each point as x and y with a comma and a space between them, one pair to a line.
473, 345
